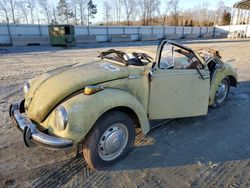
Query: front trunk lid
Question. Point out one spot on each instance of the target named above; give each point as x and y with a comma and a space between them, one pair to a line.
53, 87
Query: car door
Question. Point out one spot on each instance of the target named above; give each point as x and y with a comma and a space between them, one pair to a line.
177, 91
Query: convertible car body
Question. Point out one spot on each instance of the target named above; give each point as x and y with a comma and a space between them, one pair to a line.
99, 104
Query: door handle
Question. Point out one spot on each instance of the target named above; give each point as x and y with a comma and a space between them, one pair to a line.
204, 77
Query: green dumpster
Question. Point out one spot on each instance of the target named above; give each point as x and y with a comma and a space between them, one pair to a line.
62, 35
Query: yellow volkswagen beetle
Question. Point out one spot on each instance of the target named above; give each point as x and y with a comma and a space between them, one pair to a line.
99, 104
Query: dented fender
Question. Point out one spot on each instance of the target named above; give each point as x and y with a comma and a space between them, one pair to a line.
84, 110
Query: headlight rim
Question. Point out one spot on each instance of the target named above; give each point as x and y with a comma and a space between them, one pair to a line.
61, 113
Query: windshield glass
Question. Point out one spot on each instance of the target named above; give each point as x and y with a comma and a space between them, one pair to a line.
175, 57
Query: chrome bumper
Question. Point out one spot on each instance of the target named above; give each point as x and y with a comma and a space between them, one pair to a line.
31, 135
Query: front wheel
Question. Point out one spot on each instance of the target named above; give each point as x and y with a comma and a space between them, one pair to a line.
222, 92
110, 140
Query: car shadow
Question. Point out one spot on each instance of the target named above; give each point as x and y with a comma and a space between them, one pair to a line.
223, 135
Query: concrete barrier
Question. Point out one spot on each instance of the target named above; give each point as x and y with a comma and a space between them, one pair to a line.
120, 38
190, 36
172, 36
19, 32
221, 35
30, 40
206, 36
148, 37
85, 39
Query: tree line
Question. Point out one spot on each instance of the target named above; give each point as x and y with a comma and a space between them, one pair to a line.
77, 12
114, 12
149, 12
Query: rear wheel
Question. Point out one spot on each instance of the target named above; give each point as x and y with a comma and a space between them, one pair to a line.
110, 140
222, 92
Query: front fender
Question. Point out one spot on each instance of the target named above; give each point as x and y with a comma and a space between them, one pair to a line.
226, 71
84, 110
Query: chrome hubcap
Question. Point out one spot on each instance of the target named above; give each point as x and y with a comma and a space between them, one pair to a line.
113, 141
221, 92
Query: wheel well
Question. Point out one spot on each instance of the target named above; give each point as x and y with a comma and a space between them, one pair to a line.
123, 109
233, 81
127, 111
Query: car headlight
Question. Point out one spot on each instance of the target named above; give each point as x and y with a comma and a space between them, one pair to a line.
26, 87
61, 118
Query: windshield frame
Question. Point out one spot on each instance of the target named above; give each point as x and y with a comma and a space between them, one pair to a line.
166, 42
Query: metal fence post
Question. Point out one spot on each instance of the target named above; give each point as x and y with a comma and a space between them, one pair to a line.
40, 32
123, 30
183, 31
200, 32
108, 33
8, 27
138, 33
213, 32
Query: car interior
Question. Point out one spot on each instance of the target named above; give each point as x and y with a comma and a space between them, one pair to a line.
173, 57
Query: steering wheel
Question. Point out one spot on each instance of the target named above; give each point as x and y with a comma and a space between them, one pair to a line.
142, 56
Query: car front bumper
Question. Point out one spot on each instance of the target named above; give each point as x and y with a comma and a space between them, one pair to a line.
31, 135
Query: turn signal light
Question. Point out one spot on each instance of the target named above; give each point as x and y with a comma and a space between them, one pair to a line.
89, 90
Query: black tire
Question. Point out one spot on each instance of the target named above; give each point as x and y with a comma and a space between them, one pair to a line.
91, 152
217, 102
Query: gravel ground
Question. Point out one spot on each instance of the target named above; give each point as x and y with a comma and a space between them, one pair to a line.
207, 151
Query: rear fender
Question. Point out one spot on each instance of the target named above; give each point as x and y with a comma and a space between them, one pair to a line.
225, 71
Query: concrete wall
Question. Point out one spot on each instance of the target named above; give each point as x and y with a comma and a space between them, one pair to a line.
112, 33
226, 29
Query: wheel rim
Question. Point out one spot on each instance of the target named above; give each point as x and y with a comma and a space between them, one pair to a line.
112, 142
221, 92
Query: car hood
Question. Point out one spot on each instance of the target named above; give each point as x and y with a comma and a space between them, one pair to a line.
48, 90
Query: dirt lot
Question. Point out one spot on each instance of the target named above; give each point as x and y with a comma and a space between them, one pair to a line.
209, 151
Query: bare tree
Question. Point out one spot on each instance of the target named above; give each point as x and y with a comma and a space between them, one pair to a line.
218, 13
117, 9
149, 10
82, 7
63, 11
130, 7
203, 14
107, 11
153, 10
12, 6
31, 6
73, 6
4, 9
226, 18
45, 9
54, 16
143, 7
187, 17
22, 6
173, 6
